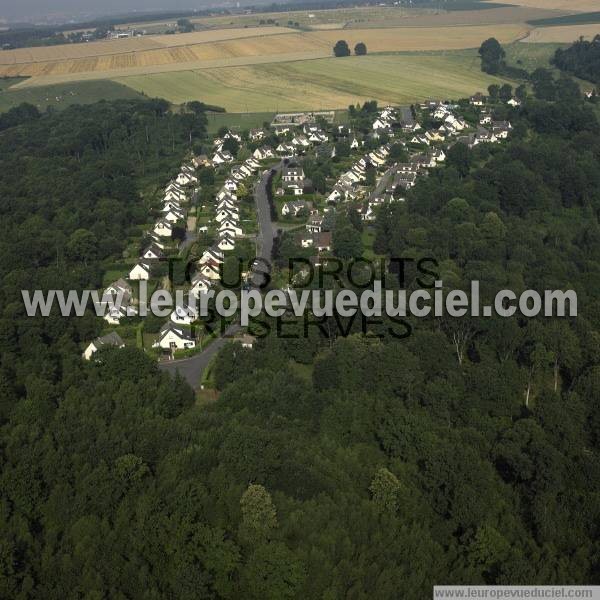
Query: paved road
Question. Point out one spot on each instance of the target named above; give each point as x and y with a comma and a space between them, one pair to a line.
192, 368
265, 228
383, 182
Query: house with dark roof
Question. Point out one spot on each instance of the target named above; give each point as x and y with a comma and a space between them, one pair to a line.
111, 340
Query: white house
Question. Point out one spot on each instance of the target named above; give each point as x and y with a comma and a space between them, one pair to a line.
140, 271
231, 135
174, 187
226, 214
174, 195
229, 223
174, 215
227, 205
315, 224
114, 313
170, 205
263, 153
184, 314
174, 337
163, 228
285, 149
334, 196
185, 178
226, 243
111, 340
380, 124
438, 155
200, 285
120, 286
483, 136
232, 230
221, 157
478, 99
153, 252
212, 255
210, 270
256, 135
292, 174
293, 208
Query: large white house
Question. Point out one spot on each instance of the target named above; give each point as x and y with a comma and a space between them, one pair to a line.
174, 337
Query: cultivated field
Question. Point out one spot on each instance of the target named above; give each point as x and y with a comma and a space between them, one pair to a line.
47, 54
256, 50
562, 33
378, 16
283, 61
567, 5
320, 84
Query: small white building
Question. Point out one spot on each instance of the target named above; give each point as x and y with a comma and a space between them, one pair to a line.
163, 228
111, 340
184, 315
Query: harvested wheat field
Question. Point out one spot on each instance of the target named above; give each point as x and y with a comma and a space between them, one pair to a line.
562, 34
256, 49
124, 46
407, 39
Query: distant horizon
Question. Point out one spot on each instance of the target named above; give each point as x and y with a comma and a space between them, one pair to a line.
69, 11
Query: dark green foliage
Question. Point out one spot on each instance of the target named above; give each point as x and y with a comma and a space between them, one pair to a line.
360, 49
329, 466
492, 56
582, 59
341, 48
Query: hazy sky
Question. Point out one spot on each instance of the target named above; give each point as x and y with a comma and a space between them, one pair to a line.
38, 9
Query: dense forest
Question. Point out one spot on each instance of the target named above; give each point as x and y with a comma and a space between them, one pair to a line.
329, 467
582, 59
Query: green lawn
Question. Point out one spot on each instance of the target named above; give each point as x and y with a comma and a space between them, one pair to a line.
322, 83
63, 94
238, 121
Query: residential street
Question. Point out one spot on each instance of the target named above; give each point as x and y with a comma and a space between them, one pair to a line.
264, 240
192, 368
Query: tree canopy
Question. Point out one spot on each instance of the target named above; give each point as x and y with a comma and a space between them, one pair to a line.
360, 49
341, 48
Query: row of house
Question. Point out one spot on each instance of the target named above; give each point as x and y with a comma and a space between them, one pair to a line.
175, 334
300, 143
347, 186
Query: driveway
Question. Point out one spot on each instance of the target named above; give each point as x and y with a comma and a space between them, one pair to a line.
192, 369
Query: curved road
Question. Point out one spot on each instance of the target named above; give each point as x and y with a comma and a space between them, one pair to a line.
192, 368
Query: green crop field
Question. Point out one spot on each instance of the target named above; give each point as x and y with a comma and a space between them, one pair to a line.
531, 56
577, 19
64, 94
322, 83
